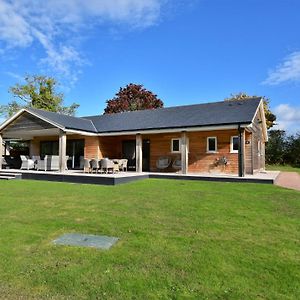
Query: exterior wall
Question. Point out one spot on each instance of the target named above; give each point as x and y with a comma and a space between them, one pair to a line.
199, 161
92, 147
258, 144
248, 153
198, 158
160, 145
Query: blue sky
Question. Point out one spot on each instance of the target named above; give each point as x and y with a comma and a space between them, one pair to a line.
185, 51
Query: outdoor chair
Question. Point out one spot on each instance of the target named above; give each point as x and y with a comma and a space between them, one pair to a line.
107, 165
86, 165
27, 163
50, 163
81, 162
163, 163
94, 165
123, 164
177, 164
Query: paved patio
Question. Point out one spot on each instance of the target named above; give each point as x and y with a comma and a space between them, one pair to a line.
290, 180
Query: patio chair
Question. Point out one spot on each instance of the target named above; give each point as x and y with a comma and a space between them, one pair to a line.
107, 165
123, 164
94, 165
163, 163
50, 163
27, 163
81, 162
177, 164
86, 165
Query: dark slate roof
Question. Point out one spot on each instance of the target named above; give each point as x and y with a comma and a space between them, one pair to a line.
65, 121
207, 114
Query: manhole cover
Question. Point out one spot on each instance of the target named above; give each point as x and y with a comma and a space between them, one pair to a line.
86, 240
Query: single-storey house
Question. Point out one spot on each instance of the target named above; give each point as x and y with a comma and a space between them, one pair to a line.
220, 137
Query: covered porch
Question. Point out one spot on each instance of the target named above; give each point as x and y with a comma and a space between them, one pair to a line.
43, 138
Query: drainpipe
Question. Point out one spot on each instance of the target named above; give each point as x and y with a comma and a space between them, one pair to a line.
241, 151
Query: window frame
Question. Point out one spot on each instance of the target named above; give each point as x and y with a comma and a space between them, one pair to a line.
216, 144
231, 144
172, 149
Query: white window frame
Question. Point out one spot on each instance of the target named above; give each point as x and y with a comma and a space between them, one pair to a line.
231, 144
176, 139
216, 144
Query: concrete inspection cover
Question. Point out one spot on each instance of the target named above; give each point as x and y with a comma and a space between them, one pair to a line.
86, 240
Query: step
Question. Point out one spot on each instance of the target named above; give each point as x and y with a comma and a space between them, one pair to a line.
12, 175
7, 178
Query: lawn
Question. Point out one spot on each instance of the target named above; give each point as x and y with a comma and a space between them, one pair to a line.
179, 239
283, 168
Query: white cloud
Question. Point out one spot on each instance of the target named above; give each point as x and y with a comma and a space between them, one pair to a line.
288, 118
53, 23
288, 70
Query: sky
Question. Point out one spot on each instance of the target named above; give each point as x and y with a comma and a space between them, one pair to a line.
186, 52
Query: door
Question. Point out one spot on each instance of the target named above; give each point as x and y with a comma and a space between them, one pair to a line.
128, 152
146, 155
75, 151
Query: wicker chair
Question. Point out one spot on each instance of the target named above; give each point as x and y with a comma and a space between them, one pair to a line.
27, 163
177, 164
86, 165
107, 165
94, 165
123, 164
163, 163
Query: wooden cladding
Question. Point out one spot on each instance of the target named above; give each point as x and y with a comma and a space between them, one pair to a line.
160, 145
27, 122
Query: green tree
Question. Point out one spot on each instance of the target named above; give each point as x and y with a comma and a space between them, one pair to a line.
132, 97
276, 147
270, 117
37, 92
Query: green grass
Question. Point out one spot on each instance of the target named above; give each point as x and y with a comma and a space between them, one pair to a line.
283, 168
179, 240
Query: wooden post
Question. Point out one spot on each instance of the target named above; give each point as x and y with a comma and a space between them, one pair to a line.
184, 153
62, 151
1, 150
241, 152
139, 153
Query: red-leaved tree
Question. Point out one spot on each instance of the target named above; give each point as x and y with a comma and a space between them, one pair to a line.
133, 97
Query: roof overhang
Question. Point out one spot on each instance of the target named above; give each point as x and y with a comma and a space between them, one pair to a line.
179, 129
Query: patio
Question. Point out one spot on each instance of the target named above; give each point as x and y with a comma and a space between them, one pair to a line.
78, 176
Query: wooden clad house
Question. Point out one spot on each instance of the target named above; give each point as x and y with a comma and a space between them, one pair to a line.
219, 137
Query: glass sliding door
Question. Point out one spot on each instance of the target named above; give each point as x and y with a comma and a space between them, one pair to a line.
75, 151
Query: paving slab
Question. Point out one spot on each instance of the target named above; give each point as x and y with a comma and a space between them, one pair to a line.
86, 240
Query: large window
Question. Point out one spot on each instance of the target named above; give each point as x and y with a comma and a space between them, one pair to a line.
234, 144
49, 148
212, 144
175, 145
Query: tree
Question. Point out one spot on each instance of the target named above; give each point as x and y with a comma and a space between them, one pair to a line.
270, 117
276, 147
132, 97
38, 92
292, 156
